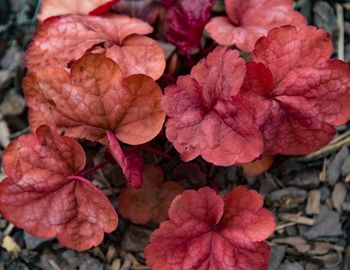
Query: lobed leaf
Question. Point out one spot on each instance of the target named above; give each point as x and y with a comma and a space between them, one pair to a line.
248, 20
95, 98
51, 8
298, 94
44, 195
60, 41
206, 115
205, 231
151, 202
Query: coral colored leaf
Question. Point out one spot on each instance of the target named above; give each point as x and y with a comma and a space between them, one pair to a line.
152, 201
248, 20
208, 232
61, 7
258, 166
298, 95
205, 115
130, 162
59, 41
43, 194
186, 21
94, 98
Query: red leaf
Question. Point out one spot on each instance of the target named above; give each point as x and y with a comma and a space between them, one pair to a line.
248, 20
43, 194
94, 98
305, 93
61, 7
60, 41
207, 232
130, 162
152, 201
205, 116
186, 22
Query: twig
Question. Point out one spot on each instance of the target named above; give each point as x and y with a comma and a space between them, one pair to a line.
94, 169
340, 19
150, 149
9, 229
297, 219
282, 226
328, 149
19, 133
54, 265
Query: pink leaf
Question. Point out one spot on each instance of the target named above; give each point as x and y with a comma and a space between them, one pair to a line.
248, 20
60, 41
298, 95
206, 116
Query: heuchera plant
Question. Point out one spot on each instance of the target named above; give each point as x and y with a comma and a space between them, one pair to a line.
94, 77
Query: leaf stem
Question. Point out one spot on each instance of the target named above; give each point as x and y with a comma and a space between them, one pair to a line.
150, 149
94, 169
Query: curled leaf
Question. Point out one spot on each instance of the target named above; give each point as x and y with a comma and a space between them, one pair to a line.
59, 41
298, 95
94, 98
152, 201
130, 162
206, 115
51, 8
44, 195
248, 20
185, 21
208, 232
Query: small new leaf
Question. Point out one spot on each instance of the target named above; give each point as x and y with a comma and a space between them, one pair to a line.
152, 201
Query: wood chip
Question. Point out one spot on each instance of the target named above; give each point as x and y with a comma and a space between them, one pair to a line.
13, 104
4, 134
112, 253
277, 255
297, 219
299, 243
11, 246
115, 265
313, 202
54, 265
335, 165
346, 207
339, 195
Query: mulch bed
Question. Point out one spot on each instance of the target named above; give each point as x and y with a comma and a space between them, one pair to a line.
310, 196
